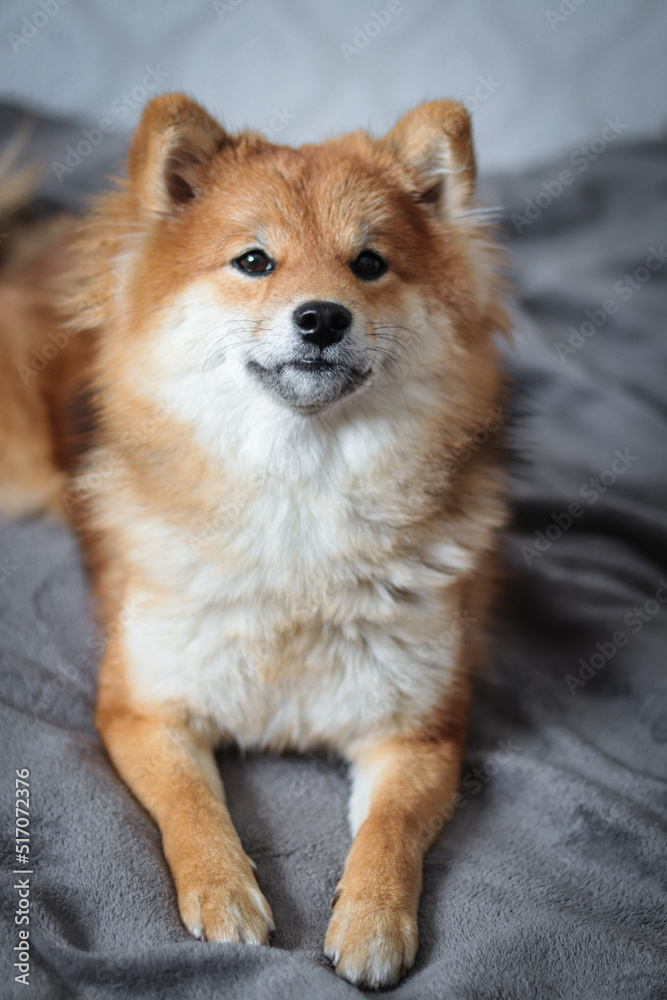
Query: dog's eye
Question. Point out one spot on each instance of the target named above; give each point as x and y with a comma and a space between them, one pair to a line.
369, 265
255, 262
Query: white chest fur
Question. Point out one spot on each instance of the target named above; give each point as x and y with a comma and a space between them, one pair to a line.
306, 612
294, 620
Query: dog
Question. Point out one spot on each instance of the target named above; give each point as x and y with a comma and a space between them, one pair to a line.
264, 374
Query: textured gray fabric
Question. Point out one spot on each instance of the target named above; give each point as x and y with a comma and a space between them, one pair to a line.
549, 882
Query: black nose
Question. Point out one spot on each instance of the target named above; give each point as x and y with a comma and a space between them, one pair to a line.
322, 323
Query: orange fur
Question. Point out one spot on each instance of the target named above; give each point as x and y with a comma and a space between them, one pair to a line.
169, 518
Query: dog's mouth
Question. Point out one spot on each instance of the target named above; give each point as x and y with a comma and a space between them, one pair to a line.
308, 385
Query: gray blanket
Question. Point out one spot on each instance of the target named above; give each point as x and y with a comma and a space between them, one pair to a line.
549, 882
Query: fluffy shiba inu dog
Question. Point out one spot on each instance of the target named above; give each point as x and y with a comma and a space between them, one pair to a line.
284, 357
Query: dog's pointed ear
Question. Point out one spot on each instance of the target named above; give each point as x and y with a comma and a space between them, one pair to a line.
435, 142
172, 151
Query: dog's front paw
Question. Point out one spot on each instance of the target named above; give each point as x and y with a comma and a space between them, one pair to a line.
371, 943
225, 904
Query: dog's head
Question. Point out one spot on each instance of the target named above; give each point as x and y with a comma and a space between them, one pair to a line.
303, 278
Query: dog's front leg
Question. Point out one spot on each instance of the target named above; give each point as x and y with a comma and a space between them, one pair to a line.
401, 796
175, 777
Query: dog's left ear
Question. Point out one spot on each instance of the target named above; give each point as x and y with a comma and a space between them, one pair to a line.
435, 142
172, 151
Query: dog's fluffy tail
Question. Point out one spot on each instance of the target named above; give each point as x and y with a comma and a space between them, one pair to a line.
18, 183
30, 480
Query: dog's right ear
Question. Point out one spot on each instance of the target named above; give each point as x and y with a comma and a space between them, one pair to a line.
172, 151
435, 141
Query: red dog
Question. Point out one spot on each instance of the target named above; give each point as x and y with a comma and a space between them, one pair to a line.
286, 355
